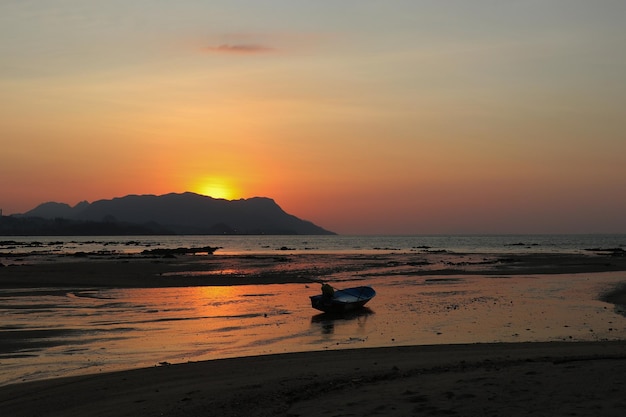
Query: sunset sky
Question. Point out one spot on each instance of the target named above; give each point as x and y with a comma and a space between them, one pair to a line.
362, 116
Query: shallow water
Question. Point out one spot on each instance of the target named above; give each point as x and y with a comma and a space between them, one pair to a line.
47, 333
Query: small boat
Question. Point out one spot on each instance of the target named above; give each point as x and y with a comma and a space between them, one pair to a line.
340, 301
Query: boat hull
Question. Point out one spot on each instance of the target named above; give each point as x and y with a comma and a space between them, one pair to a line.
343, 300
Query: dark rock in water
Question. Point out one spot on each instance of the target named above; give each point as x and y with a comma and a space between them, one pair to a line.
522, 244
167, 252
418, 263
617, 252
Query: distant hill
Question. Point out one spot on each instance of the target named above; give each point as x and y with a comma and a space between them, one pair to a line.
186, 213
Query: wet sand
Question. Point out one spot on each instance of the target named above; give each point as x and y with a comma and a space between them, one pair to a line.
556, 378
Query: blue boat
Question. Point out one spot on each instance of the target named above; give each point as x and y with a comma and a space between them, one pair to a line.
340, 301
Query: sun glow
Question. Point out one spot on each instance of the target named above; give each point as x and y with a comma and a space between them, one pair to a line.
217, 188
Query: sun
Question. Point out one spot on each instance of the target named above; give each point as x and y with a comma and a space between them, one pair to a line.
217, 188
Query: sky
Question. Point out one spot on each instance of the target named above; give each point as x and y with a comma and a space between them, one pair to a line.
362, 116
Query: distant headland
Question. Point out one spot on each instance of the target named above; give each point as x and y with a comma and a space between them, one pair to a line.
175, 213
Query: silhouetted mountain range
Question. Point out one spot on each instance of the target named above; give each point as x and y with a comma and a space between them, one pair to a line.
186, 213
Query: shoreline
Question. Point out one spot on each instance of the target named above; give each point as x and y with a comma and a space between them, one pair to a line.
139, 271
504, 379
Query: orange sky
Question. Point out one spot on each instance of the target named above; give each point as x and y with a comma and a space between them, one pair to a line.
365, 117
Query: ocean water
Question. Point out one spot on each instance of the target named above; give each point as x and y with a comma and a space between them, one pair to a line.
234, 245
53, 332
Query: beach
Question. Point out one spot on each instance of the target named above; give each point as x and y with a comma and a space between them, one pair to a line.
555, 379
491, 335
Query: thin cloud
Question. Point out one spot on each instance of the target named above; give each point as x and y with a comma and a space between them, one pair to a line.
241, 49
249, 43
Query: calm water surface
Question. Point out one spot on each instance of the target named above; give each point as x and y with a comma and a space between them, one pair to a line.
56, 332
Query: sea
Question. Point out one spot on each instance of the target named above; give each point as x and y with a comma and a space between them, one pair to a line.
238, 245
57, 332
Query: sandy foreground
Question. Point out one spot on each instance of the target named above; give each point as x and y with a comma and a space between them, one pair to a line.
551, 379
